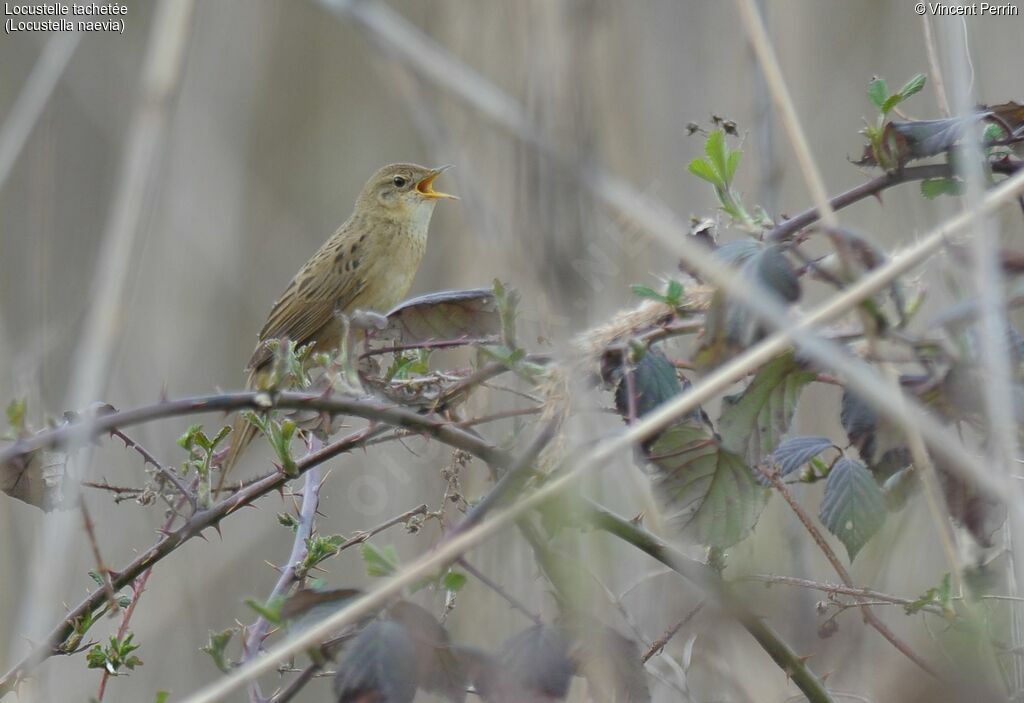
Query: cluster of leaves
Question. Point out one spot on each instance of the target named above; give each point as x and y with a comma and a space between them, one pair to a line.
81, 625
201, 451
710, 475
894, 143
718, 167
706, 477
115, 656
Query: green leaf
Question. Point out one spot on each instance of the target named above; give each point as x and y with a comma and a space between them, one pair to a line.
702, 169
187, 440
993, 133
320, 548
732, 163
794, 452
162, 696
269, 611
932, 188
878, 91
913, 86
715, 149
674, 292
891, 102
941, 596
709, 492
753, 424
96, 658
216, 647
645, 292
654, 382
853, 507
453, 581
508, 307
379, 561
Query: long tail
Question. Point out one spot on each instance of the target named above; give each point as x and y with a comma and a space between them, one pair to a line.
242, 435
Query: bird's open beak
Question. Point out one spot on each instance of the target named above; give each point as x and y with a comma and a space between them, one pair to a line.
426, 186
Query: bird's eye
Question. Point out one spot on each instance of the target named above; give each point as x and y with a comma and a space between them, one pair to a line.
399, 181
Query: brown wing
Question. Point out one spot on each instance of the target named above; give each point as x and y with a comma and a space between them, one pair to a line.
308, 304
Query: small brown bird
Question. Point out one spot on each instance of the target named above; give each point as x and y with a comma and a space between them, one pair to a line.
368, 264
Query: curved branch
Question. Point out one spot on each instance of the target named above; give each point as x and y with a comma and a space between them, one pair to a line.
367, 408
702, 576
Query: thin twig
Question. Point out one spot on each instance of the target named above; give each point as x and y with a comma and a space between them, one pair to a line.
719, 594
362, 536
659, 644
429, 344
842, 589
496, 587
819, 539
138, 588
166, 472
102, 571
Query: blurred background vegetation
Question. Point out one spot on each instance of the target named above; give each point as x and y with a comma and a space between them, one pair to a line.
284, 110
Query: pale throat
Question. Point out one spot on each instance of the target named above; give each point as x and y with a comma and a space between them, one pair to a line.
419, 217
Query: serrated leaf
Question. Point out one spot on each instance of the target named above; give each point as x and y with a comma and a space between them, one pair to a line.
654, 382
853, 507
447, 315
269, 611
702, 169
715, 149
753, 424
891, 102
708, 492
913, 86
732, 163
932, 188
794, 452
380, 665
216, 647
878, 91
379, 561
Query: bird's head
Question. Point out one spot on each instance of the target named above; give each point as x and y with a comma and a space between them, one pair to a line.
403, 190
